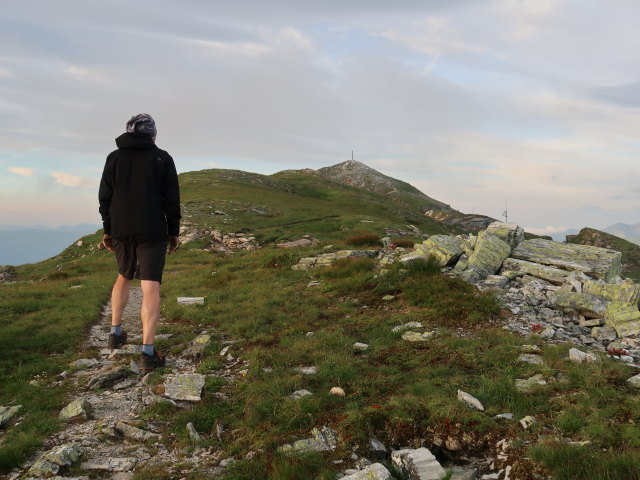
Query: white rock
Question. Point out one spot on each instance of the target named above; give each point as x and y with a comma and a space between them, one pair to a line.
470, 400
578, 356
377, 471
406, 326
191, 300
337, 391
363, 347
419, 463
300, 393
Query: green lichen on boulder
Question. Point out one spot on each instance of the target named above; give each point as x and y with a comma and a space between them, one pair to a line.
628, 291
509, 233
596, 262
624, 317
587, 304
488, 256
554, 275
445, 248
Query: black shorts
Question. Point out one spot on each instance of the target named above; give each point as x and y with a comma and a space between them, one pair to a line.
142, 260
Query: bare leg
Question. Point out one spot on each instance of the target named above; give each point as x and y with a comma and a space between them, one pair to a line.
119, 298
150, 311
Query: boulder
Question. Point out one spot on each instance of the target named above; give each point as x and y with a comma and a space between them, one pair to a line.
578, 356
600, 263
591, 306
550, 274
487, 258
79, 408
376, 471
624, 317
628, 291
51, 461
184, 387
509, 233
419, 463
445, 248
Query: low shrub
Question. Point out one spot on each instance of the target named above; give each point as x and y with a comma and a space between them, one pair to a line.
364, 240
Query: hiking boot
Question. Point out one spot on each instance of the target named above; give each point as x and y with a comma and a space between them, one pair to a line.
117, 341
151, 362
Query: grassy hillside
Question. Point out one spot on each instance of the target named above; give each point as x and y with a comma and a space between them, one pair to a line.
630, 251
292, 203
404, 393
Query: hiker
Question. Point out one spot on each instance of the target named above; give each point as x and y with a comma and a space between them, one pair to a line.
140, 207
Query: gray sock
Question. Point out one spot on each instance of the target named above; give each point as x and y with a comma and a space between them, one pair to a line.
116, 329
147, 349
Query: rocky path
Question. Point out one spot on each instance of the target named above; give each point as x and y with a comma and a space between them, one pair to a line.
107, 433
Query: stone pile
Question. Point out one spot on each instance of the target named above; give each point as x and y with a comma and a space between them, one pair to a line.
7, 274
219, 241
565, 292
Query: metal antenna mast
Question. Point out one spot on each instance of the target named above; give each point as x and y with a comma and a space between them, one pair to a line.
505, 214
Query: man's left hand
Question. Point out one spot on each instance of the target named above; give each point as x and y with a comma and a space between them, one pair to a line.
173, 243
107, 241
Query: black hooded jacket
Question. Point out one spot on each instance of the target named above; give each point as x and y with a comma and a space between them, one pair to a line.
139, 193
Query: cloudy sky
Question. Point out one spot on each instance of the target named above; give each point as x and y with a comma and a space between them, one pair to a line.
473, 102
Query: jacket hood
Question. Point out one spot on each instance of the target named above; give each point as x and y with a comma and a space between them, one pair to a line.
135, 140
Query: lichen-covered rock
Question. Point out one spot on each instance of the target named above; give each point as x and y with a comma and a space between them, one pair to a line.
528, 384
509, 233
551, 274
488, 256
327, 259
375, 471
7, 413
419, 463
445, 248
416, 336
589, 305
596, 262
322, 440
624, 317
49, 463
197, 346
628, 291
79, 408
184, 387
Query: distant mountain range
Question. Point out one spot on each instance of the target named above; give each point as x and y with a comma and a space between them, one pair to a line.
630, 233
30, 244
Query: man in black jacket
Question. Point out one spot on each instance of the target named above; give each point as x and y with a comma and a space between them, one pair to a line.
140, 207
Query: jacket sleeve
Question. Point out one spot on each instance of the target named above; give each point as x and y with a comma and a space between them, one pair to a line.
171, 198
105, 193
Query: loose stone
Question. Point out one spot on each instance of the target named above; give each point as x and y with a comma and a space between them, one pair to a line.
470, 400
185, 387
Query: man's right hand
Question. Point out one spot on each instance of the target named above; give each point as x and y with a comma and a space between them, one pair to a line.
107, 241
173, 243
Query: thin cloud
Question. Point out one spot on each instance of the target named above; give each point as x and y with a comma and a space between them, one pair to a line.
23, 171
71, 180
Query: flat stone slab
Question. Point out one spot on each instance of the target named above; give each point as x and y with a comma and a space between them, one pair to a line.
135, 433
554, 275
628, 291
416, 336
184, 387
596, 262
589, 305
445, 248
191, 300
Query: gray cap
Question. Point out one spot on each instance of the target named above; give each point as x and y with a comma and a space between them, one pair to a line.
143, 122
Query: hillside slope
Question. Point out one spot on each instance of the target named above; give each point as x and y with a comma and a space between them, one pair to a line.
630, 251
296, 202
